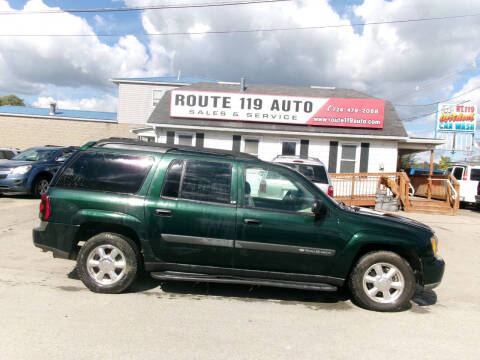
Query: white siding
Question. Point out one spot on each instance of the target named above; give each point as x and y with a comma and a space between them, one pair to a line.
381, 153
135, 102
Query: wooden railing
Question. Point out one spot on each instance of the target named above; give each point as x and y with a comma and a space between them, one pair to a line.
441, 187
359, 188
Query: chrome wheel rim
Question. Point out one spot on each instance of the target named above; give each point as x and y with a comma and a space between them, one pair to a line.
383, 283
42, 186
106, 264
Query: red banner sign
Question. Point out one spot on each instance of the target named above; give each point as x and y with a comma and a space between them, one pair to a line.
313, 111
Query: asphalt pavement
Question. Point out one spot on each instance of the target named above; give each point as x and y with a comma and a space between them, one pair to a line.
47, 313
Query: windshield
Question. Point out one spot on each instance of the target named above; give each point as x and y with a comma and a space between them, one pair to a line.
315, 173
35, 155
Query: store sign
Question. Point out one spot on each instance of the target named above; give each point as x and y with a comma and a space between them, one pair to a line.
457, 118
356, 113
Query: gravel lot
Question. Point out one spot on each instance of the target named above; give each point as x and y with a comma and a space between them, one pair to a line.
47, 313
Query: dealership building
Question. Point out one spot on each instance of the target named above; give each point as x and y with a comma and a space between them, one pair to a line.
347, 130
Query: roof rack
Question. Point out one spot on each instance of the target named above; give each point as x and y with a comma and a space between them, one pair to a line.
134, 144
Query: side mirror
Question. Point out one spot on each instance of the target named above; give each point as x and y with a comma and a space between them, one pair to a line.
319, 208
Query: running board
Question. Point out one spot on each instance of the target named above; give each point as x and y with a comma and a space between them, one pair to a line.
180, 276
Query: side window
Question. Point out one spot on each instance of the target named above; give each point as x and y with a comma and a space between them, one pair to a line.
269, 189
171, 183
475, 174
8, 154
202, 181
106, 172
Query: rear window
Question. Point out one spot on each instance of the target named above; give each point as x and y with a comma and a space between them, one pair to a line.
314, 173
475, 174
106, 172
458, 173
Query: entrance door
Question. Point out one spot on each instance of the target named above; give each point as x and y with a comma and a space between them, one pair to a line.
193, 219
277, 230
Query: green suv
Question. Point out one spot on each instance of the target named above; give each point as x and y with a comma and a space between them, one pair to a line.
195, 214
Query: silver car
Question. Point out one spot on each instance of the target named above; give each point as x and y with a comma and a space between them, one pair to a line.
312, 168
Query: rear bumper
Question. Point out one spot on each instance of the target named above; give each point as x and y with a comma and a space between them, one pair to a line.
433, 270
57, 238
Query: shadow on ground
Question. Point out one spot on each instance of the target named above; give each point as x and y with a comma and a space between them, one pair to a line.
317, 300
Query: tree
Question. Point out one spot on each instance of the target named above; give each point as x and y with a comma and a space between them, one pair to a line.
11, 100
445, 162
408, 161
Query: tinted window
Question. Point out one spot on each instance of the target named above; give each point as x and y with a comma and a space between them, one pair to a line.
475, 174
315, 173
458, 173
269, 189
172, 179
106, 172
202, 181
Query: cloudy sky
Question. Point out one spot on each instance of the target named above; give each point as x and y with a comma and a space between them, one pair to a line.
410, 63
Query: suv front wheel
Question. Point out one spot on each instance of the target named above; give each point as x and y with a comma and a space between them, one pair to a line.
382, 281
108, 263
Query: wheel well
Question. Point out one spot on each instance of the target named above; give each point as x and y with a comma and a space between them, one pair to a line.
407, 254
89, 229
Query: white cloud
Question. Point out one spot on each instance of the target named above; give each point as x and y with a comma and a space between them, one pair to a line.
62, 61
104, 103
389, 60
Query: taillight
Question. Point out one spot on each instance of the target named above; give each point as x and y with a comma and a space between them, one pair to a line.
45, 209
330, 190
464, 175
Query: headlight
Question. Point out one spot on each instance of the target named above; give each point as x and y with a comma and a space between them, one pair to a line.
434, 242
21, 170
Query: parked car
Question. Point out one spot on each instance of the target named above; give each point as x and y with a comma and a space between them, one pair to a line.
30, 171
311, 168
468, 176
188, 214
8, 153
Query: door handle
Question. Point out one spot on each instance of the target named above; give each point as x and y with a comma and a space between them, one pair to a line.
252, 221
163, 212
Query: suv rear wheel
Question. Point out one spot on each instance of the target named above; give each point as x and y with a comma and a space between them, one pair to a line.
382, 281
108, 263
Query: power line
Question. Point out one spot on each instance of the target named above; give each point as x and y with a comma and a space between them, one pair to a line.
142, 8
219, 32
444, 100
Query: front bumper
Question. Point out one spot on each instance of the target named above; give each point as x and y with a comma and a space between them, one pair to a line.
57, 238
13, 184
433, 270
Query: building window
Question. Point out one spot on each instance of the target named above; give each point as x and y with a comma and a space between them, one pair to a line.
250, 145
157, 96
147, 138
184, 139
348, 158
290, 147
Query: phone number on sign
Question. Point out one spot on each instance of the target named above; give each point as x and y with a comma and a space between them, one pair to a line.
352, 110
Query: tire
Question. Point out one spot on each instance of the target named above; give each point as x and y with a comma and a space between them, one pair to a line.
40, 186
382, 281
108, 263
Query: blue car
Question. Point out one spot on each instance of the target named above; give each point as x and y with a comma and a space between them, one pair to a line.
30, 171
